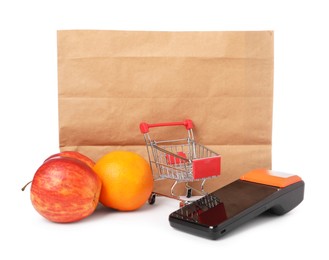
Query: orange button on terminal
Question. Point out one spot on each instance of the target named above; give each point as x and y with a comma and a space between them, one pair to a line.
269, 177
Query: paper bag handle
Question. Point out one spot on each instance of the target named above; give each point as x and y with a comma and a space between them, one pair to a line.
144, 127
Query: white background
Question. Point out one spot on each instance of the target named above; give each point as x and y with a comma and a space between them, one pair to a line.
29, 129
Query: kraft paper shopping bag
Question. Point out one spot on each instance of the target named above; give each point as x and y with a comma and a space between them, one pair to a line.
110, 81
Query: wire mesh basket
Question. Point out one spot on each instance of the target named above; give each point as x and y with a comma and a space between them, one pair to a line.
182, 159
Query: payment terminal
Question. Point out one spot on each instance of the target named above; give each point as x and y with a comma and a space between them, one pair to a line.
254, 193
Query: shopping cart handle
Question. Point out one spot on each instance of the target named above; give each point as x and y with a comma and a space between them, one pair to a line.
144, 127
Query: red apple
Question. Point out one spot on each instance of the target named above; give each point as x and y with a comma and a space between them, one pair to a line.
65, 190
76, 155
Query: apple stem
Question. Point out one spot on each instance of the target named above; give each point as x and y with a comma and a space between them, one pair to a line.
26, 185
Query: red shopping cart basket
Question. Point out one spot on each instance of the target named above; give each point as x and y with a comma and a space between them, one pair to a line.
181, 159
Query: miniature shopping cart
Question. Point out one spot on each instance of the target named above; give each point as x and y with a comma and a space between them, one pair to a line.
181, 160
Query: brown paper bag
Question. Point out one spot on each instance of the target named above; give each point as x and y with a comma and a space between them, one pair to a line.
110, 81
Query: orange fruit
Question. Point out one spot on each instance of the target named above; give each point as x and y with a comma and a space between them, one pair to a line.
127, 180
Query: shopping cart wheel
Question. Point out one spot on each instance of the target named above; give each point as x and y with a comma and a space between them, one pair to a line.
189, 193
152, 198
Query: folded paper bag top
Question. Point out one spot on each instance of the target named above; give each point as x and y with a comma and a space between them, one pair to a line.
110, 81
